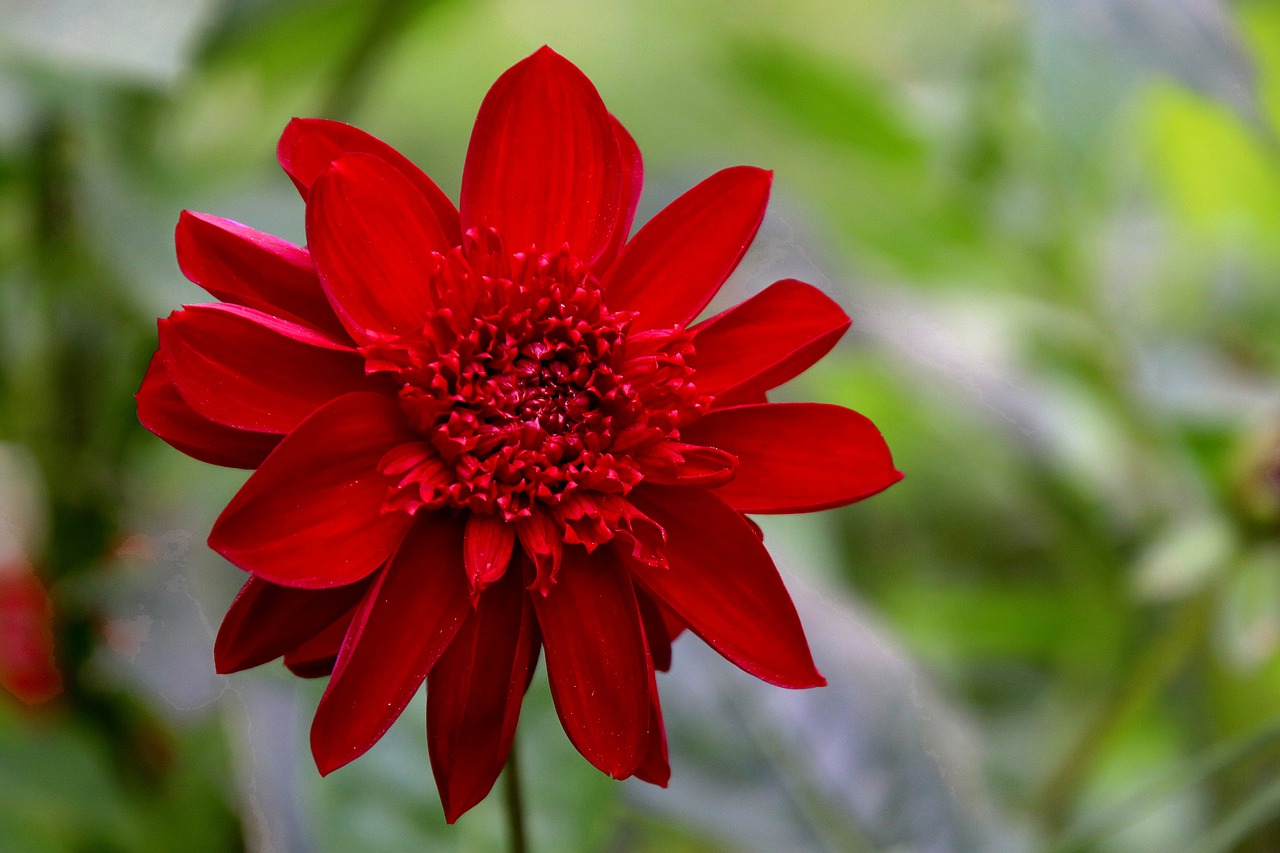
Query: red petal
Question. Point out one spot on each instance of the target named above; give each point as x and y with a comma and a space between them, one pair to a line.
486, 549
674, 624
543, 165
722, 582
242, 266
474, 694
655, 631
675, 463
27, 667
655, 768
251, 371
316, 657
372, 235
773, 336
632, 165
403, 625
797, 457
542, 539
162, 410
311, 515
309, 145
267, 620
678, 260
596, 660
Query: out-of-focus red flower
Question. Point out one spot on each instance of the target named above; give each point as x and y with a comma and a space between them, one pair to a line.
486, 431
27, 667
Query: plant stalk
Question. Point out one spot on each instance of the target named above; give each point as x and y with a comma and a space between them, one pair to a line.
518, 839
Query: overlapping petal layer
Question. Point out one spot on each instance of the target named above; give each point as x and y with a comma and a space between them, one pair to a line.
678, 260
373, 236
312, 515
162, 410
265, 621
242, 266
250, 371
723, 584
597, 662
544, 166
402, 626
474, 694
309, 145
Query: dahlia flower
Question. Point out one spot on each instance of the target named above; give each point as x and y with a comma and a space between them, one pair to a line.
492, 431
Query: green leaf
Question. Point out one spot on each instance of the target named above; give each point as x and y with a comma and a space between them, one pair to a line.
840, 105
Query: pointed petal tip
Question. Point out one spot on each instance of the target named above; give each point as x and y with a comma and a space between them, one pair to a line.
326, 758
214, 539
223, 664
455, 804
548, 57
754, 174
289, 136
661, 776
325, 767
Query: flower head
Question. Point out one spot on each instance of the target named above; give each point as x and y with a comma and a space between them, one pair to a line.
485, 432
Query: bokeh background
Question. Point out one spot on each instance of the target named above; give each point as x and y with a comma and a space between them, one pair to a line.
1057, 228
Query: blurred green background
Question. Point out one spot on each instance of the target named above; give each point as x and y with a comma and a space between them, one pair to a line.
1057, 228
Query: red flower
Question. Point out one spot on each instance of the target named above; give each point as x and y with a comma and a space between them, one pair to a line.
27, 668
483, 432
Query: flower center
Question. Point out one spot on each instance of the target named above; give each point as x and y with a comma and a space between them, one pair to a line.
525, 388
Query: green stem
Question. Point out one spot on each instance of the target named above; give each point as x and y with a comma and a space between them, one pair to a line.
518, 838
1152, 670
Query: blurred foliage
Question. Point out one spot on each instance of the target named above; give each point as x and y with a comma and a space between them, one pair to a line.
1055, 227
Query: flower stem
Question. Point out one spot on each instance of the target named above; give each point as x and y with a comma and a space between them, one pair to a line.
1152, 669
518, 839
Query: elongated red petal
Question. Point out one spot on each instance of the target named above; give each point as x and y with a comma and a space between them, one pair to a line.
405, 622
797, 457
676, 463
542, 539
242, 266
251, 371
316, 657
773, 336
372, 235
311, 515
596, 660
543, 164
678, 260
723, 583
655, 631
163, 411
632, 165
474, 694
486, 549
309, 145
655, 768
267, 620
